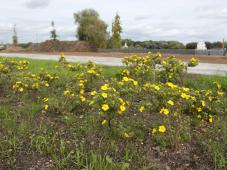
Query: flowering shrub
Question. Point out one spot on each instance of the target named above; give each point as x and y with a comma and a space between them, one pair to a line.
141, 68
172, 70
62, 58
153, 68
33, 82
146, 99
8, 66
193, 62
109, 104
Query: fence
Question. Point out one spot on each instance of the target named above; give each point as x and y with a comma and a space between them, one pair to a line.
218, 52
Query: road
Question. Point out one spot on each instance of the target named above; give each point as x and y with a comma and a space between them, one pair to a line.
202, 68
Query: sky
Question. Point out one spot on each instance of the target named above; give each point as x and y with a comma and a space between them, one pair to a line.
180, 20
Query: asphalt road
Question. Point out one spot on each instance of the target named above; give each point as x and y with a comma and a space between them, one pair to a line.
202, 68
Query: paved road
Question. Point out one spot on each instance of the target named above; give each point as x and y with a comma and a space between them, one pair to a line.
202, 68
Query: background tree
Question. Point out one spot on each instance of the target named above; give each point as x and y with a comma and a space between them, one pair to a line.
116, 32
91, 28
53, 33
15, 38
191, 45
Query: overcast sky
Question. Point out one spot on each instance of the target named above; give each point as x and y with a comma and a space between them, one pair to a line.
182, 20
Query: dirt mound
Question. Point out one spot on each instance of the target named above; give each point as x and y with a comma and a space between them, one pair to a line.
61, 46
13, 48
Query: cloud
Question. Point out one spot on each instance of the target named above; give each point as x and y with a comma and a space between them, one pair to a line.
37, 3
214, 14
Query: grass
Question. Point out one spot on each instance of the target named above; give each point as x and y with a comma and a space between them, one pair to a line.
71, 141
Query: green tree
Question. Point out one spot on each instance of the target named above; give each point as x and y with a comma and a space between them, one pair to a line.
53, 33
191, 45
91, 28
116, 32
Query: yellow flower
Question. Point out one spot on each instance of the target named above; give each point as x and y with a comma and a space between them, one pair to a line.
35, 85
210, 98
164, 111
220, 93
122, 108
126, 71
125, 79
170, 102
210, 118
82, 98
126, 135
217, 84
162, 129
199, 109
104, 122
121, 83
93, 93
91, 71
154, 130
185, 89
135, 83
47, 85
171, 85
141, 109
18, 82
21, 89
45, 100
66, 92
104, 87
157, 88
81, 84
185, 96
121, 100
203, 103
91, 102
104, 95
105, 107
82, 91
199, 116
46, 107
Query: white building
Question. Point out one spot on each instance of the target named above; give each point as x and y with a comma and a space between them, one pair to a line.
201, 46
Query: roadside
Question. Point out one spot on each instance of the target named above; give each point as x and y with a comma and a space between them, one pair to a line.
202, 58
202, 68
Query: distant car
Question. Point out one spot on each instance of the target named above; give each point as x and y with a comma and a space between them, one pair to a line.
2, 47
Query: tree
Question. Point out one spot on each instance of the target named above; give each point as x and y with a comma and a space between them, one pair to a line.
217, 44
209, 45
15, 38
91, 28
116, 32
191, 45
53, 34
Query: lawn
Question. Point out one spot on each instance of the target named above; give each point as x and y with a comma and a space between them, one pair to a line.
59, 115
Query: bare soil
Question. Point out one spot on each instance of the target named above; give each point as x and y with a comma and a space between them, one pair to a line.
202, 58
215, 59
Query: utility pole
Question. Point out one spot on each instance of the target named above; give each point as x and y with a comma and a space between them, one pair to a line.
15, 38
223, 43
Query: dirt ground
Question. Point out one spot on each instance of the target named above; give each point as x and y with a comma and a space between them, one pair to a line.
202, 58
185, 57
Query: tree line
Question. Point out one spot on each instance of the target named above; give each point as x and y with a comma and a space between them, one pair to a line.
91, 28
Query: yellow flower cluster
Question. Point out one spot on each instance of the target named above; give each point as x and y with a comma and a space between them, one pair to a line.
193, 62
9, 65
33, 82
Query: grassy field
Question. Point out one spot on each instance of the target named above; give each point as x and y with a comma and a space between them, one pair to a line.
45, 129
